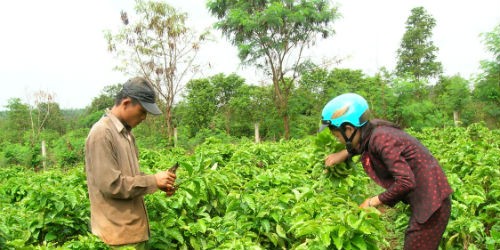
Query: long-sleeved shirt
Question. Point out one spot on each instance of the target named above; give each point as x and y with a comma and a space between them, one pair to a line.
405, 168
115, 185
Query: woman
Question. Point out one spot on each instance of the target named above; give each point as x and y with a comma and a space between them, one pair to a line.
396, 161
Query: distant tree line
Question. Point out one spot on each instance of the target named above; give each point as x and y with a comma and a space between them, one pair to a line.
416, 94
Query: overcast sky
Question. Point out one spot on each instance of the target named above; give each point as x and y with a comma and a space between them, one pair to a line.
57, 46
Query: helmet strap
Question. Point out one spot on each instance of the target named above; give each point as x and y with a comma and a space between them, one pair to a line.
348, 140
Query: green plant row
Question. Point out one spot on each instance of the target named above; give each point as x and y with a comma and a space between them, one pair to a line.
272, 195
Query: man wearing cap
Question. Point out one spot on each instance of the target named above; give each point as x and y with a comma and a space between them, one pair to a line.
115, 184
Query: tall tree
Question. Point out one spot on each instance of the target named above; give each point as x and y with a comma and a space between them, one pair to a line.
487, 87
417, 54
160, 47
272, 34
209, 101
41, 111
227, 88
247, 107
17, 120
55, 121
201, 105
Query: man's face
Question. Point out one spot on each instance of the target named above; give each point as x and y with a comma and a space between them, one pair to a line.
134, 113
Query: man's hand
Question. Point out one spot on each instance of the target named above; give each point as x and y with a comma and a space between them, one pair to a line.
170, 191
165, 180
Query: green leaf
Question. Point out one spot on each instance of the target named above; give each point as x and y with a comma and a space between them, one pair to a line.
202, 225
265, 225
50, 236
338, 241
279, 230
307, 228
297, 194
273, 238
250, 202
176, 234
353, 221
342, 230
187, 166
366, 228
59, 206
194, 243
325, 236
359, 242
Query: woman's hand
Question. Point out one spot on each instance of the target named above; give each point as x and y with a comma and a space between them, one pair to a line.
336, 158
371, 202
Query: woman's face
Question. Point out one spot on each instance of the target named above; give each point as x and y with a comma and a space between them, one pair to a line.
337, 134
349, 130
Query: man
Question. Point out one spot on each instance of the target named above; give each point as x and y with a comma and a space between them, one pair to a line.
116, 187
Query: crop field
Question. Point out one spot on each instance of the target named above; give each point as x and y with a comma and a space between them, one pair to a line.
271, 195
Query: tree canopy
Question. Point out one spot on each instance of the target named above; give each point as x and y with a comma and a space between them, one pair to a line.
272, 35
417, 54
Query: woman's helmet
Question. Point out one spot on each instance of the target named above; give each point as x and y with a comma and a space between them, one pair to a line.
346, 108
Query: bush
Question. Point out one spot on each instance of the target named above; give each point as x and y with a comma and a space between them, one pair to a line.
69, 150
15, 154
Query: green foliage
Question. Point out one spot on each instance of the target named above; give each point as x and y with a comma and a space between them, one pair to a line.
212, 100
69, 149
238, 194
470, 159
55, 119
487, 85
17, 120
88, 120
454, 92
249, 24
256, 196
15, 154
414, 108
326, 144
42, 207
268, 34
88, 241
454, 96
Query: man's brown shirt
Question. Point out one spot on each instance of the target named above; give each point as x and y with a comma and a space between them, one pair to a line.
115, 185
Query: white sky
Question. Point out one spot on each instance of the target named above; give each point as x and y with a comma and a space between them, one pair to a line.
58, 46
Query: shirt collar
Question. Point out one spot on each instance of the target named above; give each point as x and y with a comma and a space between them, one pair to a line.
120, 127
